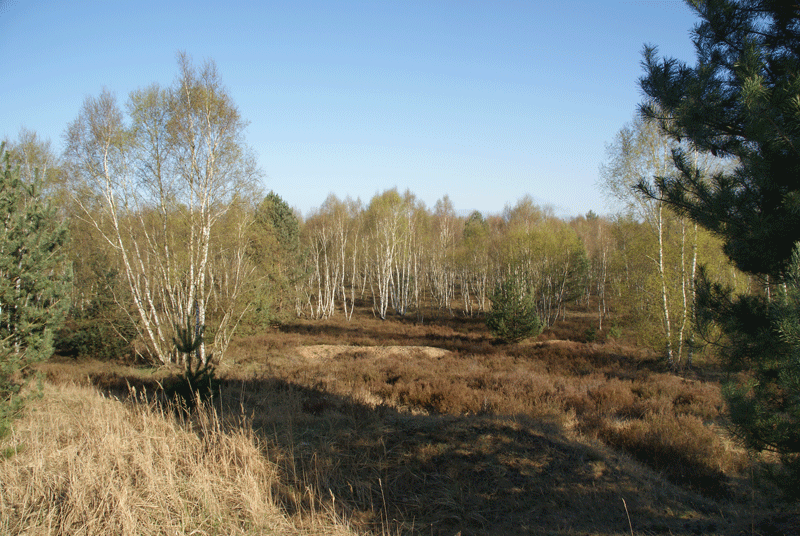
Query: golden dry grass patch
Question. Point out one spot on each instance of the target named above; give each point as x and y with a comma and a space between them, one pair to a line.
82, 464
437, 428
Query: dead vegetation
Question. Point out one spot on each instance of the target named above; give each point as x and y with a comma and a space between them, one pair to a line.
393, 427
80, 463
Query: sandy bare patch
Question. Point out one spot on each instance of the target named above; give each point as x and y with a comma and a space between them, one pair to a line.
330, 351
553, 342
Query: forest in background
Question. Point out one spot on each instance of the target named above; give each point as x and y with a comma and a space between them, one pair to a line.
146, 254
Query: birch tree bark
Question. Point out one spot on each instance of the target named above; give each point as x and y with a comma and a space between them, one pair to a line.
641, 152
156, 188
384, 219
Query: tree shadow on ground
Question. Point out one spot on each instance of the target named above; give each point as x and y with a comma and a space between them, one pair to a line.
385, 469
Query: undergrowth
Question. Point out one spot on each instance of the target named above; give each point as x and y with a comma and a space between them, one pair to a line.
435, 428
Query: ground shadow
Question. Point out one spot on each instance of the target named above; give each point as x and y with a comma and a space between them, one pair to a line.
446, 475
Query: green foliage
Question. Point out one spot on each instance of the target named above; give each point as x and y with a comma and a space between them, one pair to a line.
92, 337
275, 214
197, 381
591, 334
614, 332
100, 329
274, 249
33, 281
765, 408
741, 102
513, 316
544, 253
160, 185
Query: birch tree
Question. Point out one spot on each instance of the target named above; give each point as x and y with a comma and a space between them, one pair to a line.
595, 233
406, 264
156, 187
640, 155
640, 151
441, 267
384, 221
541, 255
326, 238
473, 257
346, 228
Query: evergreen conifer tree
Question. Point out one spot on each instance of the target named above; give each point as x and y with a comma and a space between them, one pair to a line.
767, 407
275, 250
513, 316
33, 279
742, 100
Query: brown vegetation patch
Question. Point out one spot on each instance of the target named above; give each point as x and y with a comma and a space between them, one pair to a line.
411, 428
80, 463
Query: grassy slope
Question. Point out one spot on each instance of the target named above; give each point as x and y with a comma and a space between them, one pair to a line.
554, 436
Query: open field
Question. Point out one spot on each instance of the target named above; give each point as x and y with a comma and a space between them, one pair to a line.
393, 427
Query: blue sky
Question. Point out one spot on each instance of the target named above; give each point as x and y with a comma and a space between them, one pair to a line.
483, 101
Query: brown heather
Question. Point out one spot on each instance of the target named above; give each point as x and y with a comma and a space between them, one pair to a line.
393, 427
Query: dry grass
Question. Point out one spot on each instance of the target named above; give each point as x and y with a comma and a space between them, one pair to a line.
434, 429
83, 464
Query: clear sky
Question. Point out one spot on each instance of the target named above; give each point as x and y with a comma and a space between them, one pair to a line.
484, 101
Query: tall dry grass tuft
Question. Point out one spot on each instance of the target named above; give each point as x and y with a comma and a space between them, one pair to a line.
82, 464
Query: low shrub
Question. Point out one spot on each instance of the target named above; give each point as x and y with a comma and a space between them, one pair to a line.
99, 338
612, 397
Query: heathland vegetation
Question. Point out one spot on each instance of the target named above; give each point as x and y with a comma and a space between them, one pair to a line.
210, 361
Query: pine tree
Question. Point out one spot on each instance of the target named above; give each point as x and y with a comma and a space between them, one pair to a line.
274, 248
197, 381
742, 101
513, 316
33, 279
767, 406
